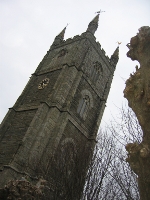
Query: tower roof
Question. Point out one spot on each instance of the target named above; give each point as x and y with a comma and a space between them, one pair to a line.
93, 25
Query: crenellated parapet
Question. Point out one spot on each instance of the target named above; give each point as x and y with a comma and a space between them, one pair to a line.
85, 40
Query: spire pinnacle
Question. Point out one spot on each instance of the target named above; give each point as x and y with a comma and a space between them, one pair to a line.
115, 56
93, 25
62, 33
116, 52
60, 37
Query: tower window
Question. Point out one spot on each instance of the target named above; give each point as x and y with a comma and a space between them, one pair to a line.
62, 52
96, 71
85, 104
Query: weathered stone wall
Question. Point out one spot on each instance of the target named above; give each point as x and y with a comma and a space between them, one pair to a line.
12, 134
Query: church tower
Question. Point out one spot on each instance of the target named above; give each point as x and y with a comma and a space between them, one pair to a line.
51, 130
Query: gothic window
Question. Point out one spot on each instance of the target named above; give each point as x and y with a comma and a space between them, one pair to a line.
96, 71
62, 52
85, 104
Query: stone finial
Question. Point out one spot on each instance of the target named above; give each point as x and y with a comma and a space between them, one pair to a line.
93, 25
60, 37
115, 56
61, 34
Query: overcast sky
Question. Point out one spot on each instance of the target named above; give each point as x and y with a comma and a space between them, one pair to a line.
28, 28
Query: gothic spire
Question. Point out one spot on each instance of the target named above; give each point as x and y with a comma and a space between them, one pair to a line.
115, 56
61, 34
60, 37
93, 25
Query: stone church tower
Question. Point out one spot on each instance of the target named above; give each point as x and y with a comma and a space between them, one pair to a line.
51, 130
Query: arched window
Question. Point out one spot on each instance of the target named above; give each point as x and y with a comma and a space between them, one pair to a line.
62, 52
96, 71
85, 104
